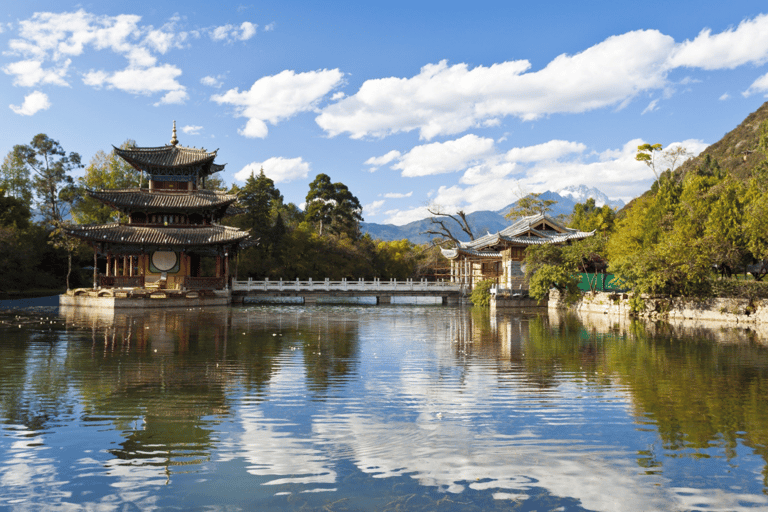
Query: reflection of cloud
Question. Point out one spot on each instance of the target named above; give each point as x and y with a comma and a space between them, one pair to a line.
272, 451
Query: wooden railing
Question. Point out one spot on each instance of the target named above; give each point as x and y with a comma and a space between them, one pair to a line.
121, 281
203, 283
375, 286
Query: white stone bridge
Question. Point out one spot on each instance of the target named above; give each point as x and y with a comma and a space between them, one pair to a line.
312, 290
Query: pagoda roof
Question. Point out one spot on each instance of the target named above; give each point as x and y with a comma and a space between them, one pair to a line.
171, 156
125, 234
142, 199
525, 232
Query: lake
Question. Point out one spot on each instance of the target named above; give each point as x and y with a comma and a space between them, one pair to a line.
401, 407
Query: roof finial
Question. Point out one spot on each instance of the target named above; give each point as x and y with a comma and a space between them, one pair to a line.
174, 140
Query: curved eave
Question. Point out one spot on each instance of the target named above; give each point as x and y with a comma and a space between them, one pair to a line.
170, 157
123, 234
452, 254
141, 200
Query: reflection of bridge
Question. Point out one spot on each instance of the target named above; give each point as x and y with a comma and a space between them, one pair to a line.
311, 290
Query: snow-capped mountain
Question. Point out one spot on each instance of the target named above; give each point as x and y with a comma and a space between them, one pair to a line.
580, 193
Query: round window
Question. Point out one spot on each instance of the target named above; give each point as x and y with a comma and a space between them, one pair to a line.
164, 260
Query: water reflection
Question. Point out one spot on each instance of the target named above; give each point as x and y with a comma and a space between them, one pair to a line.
370, 407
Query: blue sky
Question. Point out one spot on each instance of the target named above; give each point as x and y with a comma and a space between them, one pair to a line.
461, 105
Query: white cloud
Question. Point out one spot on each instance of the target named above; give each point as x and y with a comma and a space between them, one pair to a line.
758, 86
191, 129
33, 103
279, 169
29, 73
377, 161
651, 106
724, 97
551, 150
495, 182
373, 208
746, 44
396, 195
177, 97
60, 37
446, 100
142, 81
278, 97
231, 33
270, 27
443, 100
443, 157
212, 81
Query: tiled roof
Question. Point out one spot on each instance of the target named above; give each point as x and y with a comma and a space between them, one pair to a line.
526, 226
141, 199
172, 156
453, 253
140, 235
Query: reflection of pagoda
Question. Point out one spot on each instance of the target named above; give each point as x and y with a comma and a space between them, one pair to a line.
172, 226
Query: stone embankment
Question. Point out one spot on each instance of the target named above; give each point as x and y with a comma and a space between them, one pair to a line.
732, 311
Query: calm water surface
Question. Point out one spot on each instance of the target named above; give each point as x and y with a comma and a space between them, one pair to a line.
376, 408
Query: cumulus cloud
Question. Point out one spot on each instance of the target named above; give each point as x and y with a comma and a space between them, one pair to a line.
279, 169
145, 81
551, 150
33, 103
374, 207
191, 129
746, 44
377, 161
278, 97
397, 195
496, 181
57, 38
231, 33
758, 86
212, 81
29, 73
443, 157
445, 99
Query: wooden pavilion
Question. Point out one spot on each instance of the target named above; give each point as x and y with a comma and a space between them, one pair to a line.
500, 256
171, 225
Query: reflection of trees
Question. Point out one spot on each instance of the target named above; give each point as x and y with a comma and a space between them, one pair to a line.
33, 381
699, 393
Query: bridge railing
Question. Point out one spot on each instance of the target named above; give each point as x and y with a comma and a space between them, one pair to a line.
374, 286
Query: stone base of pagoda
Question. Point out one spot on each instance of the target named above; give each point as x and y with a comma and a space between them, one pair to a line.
143, 299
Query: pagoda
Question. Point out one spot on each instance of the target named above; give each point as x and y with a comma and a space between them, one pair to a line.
171, 237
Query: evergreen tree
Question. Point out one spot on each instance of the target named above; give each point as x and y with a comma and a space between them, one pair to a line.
333, 206
14, 178
105, 171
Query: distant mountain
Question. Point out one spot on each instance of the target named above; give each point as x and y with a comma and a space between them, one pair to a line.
581, 193
483, 222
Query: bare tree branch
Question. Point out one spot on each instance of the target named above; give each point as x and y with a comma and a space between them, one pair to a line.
443, 230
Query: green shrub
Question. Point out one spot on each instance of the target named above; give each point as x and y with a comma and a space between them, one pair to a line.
481, 295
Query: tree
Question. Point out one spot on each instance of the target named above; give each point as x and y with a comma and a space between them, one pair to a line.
333, 205
50, 167
54, 187
532, 204
588, 217
14, 178
260, 199
105, 171
672, 158
444, 232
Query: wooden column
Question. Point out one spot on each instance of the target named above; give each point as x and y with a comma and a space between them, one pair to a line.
226, 270
109, 263
125, 266
130, 268
95, 275
218, 266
